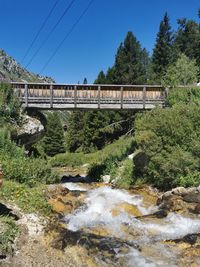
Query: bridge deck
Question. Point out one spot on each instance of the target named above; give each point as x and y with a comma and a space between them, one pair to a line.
84, 96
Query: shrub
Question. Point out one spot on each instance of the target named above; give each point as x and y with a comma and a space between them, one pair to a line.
170, 140
9, 104
8, 233
184, 96
28, 170
126, 176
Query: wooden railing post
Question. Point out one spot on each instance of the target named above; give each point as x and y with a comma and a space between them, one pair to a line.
99, 97
51, 96
144, 96
26, 95
75, 96
122, 96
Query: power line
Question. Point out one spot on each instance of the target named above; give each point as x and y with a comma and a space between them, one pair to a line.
50, 33
67, 35
40, 29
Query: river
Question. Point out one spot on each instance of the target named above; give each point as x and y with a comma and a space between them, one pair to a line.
123, 228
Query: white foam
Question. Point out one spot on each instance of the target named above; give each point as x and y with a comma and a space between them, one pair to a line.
98, 210
174, 226
74, 187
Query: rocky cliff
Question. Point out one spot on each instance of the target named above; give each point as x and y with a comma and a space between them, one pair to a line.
10, 70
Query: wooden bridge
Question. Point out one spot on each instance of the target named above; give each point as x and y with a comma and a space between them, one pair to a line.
85, 96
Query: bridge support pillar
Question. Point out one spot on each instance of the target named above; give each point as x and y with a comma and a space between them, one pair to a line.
122, 96
144, 96
99, 97
75, 96
51, 96
26, 95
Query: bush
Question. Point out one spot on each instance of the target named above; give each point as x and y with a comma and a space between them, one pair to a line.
184, 96
28, 170
126, 176
8, 233
170, 140
9, 104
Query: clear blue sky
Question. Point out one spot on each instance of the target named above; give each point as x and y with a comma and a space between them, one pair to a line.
92, 45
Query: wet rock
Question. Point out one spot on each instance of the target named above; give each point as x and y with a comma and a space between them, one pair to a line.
172, 203
160, 214
132, 210
54, 191
106, 178
92, 242
64, 201
193, 196
191, 239
59, 207
179, 191
197, 209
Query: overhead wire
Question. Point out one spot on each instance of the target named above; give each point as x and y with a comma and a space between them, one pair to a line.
40, 30
50, 33
66, 36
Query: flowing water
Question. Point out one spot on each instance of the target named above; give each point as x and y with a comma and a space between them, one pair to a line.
121, 220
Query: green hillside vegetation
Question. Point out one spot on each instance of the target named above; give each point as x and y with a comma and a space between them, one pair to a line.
17, 167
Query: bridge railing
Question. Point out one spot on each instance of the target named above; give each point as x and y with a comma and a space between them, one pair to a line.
118, 96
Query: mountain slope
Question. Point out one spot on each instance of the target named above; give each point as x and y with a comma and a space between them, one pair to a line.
10, 70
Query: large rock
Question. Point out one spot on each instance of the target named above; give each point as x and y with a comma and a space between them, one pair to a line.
31, 131
181, 199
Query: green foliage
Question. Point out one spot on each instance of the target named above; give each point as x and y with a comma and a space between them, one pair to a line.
28, 170
183, 72
30, 200
9, 105
126, 174
53, 142
170, 140
8, 233
188, 39
162, 53
107, 160
20, 168
69, 159
184, 95
91, 130
7, 146
101, 162
130, 63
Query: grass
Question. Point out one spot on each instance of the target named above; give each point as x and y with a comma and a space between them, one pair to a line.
118, 150
30, 200
101, 162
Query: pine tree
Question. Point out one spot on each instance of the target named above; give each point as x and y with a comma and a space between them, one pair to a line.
53, 142
85, 81
101, 78
187, 39
128, 67
162, 53
74, 138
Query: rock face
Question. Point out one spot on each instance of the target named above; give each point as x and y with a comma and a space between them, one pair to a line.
181, 199
10, 70
30, 132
